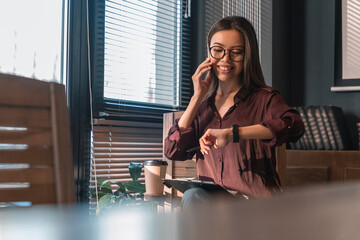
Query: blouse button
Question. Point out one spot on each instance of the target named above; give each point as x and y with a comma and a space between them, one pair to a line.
219, 159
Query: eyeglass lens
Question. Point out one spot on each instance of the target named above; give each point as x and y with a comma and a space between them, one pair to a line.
236, 55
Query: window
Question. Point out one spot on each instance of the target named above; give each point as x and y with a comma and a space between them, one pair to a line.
140, 69
31, 42
347, 43
140, 59
142, 51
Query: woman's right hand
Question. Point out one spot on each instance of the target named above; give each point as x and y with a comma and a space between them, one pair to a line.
201, 87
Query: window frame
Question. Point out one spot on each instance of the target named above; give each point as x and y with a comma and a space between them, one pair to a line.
340, 84
101, 104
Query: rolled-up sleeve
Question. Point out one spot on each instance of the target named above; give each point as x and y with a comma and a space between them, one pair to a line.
284, 122
177, 143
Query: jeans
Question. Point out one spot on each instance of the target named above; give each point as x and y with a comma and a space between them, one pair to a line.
194, 196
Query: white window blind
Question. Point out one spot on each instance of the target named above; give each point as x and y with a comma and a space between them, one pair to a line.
116, 146
350, 39
143, 51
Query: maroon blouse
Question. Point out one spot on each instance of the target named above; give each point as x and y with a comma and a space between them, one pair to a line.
247, 166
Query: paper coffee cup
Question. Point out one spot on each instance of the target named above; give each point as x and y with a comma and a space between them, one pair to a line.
154, 171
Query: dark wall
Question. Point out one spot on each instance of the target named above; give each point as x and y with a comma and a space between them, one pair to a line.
304, 33
281, 48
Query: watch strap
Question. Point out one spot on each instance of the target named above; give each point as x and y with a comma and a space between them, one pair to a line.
235, 131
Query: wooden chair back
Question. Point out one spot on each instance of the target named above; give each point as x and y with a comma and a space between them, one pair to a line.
35, 148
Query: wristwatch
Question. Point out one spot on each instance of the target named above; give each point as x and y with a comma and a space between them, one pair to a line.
235, 131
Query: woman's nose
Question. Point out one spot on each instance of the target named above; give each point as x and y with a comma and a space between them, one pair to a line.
226, 57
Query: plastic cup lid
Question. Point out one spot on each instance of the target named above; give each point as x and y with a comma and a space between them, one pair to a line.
154, 163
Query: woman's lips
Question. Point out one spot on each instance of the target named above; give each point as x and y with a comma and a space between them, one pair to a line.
225, 69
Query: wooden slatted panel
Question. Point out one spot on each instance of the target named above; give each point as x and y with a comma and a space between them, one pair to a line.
34, 117
351, 173
37, 194
31, 156
62, 155
281, 163
297, 176
25, 117
16, 92
340, 165
30, 175
31, 137
185, 169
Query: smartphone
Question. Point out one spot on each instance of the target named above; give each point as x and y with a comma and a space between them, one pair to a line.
209, 72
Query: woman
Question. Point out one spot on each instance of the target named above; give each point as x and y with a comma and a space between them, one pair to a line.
233, 116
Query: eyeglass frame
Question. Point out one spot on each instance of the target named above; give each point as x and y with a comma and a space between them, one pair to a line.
224, 53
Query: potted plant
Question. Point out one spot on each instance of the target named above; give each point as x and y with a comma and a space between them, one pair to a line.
129, 194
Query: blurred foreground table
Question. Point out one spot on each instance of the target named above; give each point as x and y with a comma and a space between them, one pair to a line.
328, 212
166, 203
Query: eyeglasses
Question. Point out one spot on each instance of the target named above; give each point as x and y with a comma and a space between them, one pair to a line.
236, 55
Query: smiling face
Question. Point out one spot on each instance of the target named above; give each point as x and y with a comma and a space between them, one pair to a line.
225, 69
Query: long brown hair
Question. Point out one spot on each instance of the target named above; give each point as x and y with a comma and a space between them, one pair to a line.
251, 76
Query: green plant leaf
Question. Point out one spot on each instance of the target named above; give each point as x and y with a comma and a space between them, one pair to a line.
102, 189
99, 193
120, 194
122, 187
93, 193
135, 187
105, 186
135, 170
105, 201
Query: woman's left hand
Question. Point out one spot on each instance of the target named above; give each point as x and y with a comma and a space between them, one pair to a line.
216, 138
